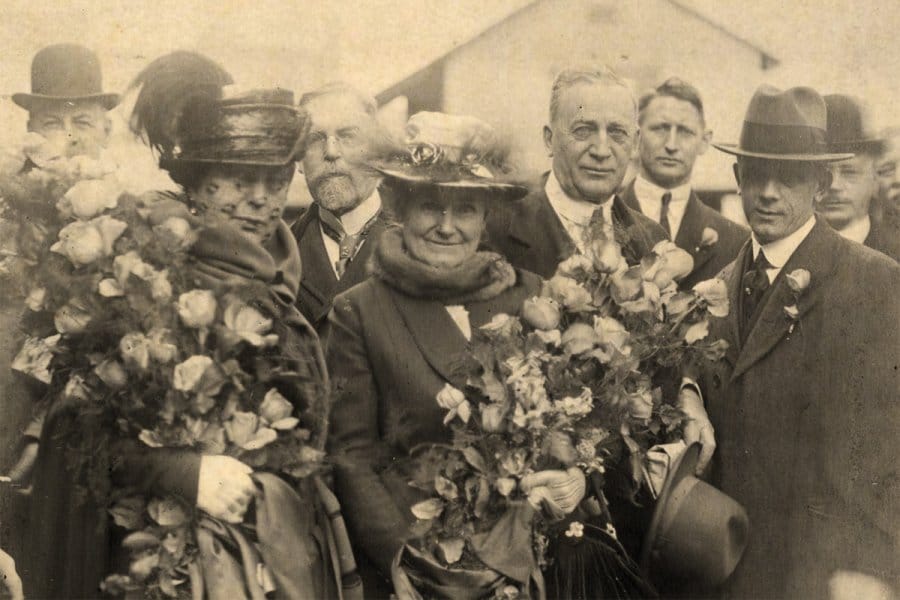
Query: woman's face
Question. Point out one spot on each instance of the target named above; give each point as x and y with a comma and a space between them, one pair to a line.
443, 228
250, 197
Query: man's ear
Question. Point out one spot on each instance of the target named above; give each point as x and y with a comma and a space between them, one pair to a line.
707, 138
825, 180
548, 140
737, 174
107, 126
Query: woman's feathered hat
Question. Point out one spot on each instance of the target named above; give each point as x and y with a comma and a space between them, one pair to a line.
452, 151
183, 113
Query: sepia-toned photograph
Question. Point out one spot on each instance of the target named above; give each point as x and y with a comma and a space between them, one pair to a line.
467, 300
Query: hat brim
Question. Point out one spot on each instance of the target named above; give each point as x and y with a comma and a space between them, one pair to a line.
167, 163
735, 150
108, 100
684, 466
507, 190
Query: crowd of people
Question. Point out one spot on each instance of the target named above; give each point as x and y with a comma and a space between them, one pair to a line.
411, 246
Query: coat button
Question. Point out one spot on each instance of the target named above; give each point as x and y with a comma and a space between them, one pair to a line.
716, 380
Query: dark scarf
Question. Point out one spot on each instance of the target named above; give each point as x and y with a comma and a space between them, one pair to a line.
482, 276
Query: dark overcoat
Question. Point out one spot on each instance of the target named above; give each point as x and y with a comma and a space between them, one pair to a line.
319, 285
806, 419
389, 354
531, 236
709, 259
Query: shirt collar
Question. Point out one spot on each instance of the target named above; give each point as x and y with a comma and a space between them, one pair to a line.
356, 218
857, 230
576, 211
780, 251
646, 189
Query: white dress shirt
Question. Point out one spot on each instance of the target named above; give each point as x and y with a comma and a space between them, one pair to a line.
574, 214
460, 316
780, 251
858, 230
353, 221
649, 197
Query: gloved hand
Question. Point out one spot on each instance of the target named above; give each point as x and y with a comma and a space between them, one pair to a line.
225, 488
558, 492
697, 427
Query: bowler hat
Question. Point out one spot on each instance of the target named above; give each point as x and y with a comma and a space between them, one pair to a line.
452, 151
848, 127
785, 125
697, 534
65, 72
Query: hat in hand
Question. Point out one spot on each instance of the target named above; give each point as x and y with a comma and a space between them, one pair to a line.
697, 534
66, 72
785, 125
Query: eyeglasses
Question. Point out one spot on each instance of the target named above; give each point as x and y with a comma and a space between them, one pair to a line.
348, 139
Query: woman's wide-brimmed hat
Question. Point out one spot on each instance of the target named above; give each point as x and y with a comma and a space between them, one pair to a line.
184, 112
697, 534
848, 126
785, 125
452, 151
66, 73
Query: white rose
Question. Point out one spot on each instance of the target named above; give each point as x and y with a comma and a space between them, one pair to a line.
135, 349
160, 346
249, 324
188, 373
35, 299
90, 197
84, 242
197, 308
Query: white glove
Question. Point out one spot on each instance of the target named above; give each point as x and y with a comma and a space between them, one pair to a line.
559, 492
225, 488
697, 428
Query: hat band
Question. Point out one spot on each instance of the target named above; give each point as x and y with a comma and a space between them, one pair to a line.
782, 139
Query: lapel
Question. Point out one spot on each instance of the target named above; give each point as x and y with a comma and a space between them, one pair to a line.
815, 254
537, 226
630, 198
690, 232
438, 338
319, 281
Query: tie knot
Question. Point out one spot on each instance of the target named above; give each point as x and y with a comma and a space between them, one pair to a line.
666, 198
762, 263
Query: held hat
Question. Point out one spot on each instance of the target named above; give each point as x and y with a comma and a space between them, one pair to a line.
848, 126
451, 151
785, 125
66, 72
697, 534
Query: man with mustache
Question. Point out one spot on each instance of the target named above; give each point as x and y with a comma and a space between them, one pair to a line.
337, 231
854, 182
673, 136
888, 172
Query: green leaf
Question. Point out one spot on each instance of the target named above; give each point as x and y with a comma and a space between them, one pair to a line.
474, 458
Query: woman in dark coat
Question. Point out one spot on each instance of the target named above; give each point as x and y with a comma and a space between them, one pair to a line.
395, 340
235, 175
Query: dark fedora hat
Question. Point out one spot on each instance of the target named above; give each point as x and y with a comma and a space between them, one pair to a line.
259, 127
451, 151
848, 126
697, 534
66, 72
785, 125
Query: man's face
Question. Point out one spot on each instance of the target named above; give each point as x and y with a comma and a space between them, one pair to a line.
591, 139
888, 172
778, 195
853, 184
251, 198
672, 137
339, 146
73, 128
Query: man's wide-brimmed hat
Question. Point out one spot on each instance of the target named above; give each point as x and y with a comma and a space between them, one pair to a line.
848, 126
697, 534
785, 125
452, 151
66, 73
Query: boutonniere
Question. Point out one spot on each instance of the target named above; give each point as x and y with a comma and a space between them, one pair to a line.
708, 239
798, 281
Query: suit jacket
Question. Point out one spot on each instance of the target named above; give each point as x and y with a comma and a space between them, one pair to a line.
884, 236
389, 355
708, 259
319, 285
531, 236
806, 419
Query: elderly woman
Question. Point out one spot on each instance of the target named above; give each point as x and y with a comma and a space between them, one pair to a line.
395, 340
234, 159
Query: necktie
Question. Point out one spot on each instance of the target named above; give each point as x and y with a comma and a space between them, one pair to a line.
754, 285
348, 243
664, 213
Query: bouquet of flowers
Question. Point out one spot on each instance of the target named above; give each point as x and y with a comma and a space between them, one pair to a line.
121, 334
584, 378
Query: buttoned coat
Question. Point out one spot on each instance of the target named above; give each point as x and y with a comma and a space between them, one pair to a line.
319, 284
532, 237
709, 259
806, 419
389, 355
